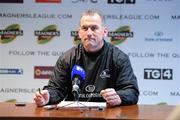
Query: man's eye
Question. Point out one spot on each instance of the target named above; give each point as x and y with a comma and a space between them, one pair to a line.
84, 28
93, 28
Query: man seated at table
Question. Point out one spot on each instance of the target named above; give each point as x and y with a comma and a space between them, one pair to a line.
109, 74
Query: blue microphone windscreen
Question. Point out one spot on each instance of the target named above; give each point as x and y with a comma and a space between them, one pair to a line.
78, 71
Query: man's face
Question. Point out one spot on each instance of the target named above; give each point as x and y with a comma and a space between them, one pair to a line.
92, 32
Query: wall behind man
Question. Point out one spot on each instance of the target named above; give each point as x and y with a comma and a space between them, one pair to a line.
33, 34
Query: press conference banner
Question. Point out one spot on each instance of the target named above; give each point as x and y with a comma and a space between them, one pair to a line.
34, 33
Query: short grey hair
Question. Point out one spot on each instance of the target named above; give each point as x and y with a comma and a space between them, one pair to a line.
92, 12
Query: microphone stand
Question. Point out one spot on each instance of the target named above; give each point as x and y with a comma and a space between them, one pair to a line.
76, 98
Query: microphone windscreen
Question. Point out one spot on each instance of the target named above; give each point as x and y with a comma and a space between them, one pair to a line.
78, 71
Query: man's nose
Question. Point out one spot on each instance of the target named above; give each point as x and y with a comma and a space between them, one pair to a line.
89, 31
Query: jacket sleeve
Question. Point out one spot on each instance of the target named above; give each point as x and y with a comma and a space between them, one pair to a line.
126, 83
59, 82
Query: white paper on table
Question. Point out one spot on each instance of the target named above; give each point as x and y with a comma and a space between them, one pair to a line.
81, 104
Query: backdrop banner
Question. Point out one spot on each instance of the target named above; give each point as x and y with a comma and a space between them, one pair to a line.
34, 33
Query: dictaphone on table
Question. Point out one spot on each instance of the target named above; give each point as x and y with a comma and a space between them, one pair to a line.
20, 104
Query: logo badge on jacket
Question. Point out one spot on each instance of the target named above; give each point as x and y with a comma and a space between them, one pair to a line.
105, 74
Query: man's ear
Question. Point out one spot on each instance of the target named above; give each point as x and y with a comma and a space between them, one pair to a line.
79, 33
105, 31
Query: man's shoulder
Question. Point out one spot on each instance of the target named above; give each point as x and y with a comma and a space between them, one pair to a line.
73, 49
116, 51
72, 53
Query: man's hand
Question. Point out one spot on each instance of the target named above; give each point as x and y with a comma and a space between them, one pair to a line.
41, 98
111, 97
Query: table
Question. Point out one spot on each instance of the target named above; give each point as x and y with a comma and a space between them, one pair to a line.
133, 112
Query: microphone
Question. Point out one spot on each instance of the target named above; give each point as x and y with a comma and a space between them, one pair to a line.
77, 76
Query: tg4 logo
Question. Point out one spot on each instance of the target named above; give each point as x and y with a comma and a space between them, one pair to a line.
156, 73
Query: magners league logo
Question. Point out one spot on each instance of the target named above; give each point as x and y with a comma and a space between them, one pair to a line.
46, 34
10, 33
120, 35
